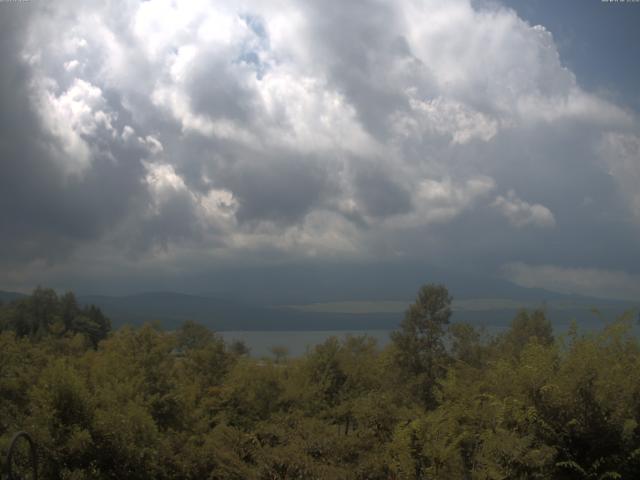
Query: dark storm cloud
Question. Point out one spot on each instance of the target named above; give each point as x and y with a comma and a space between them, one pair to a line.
45, 213
40, 218
554, 165
380, 195
360, 44
279, 191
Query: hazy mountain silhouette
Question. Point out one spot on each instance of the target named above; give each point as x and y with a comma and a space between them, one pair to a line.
266, 305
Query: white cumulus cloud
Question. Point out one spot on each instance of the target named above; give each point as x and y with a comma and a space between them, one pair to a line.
521, 213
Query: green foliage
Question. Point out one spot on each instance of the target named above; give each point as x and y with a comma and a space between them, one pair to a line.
466, 344
525, 328
45, 314
420, 350
148, 404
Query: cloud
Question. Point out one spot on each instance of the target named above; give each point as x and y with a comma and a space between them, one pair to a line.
621, 155
74, 115
288, 129
379, 195
595, 282
444, 200
521, 214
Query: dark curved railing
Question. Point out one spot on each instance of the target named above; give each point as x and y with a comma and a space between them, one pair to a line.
33, 459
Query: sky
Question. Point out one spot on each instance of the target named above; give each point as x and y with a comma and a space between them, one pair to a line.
180, 145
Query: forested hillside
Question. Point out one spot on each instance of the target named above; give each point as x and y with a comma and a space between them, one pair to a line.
442, 401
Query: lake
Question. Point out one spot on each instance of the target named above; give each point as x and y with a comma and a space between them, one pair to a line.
297, 342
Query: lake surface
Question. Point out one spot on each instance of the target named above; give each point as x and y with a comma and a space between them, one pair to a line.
297, 342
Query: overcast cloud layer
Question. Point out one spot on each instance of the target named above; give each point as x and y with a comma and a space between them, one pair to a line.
161, 137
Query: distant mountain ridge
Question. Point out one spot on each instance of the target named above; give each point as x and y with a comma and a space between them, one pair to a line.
171, 309
10, 296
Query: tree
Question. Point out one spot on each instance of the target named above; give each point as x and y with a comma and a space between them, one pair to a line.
466, 344
239, 348
68, 310
420, 350
92, 322
44, 314
192, 336
280, 353
526, 327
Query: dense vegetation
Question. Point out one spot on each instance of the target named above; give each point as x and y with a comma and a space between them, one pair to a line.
441, 401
